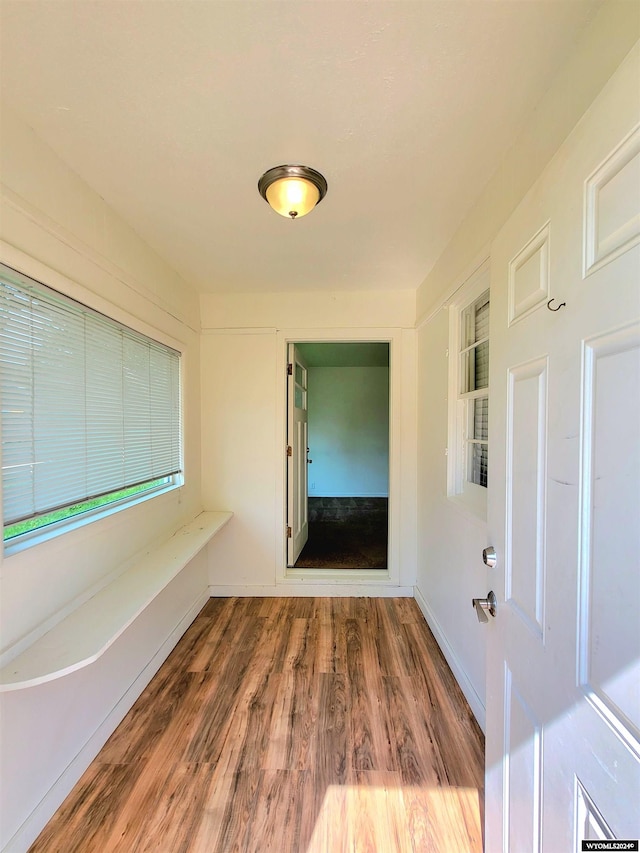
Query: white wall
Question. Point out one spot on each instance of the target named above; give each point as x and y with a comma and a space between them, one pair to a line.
601, 49
243, 427
238, 460
450, 539
56, 229
450, 570
349, 431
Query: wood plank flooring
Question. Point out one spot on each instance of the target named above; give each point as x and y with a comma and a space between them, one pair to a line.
296, 725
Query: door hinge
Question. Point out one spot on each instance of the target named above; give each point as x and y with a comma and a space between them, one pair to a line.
288, 533
289, 450
289, 370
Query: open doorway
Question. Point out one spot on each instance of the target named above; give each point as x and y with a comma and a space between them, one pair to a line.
338, 457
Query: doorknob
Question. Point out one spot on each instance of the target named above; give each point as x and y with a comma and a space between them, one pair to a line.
490, 557
490, 603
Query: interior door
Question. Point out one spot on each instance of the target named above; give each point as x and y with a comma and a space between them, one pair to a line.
563, 654
297, 448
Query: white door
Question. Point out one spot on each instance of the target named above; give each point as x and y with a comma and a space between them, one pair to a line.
563, 661
297, 449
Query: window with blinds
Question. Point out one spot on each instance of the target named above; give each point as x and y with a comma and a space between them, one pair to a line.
90, 408
474, 387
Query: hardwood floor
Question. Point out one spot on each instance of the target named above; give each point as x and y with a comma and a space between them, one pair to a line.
296, 725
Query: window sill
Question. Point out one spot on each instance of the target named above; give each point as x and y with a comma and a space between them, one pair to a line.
58, 528
86, 633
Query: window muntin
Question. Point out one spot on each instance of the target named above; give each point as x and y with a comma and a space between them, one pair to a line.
90, 407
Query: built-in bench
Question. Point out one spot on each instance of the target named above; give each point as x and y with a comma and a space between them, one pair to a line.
86, 633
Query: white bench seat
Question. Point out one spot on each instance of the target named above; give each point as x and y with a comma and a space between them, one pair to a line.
86, 633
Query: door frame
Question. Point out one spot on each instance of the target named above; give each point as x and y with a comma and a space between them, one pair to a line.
377, 577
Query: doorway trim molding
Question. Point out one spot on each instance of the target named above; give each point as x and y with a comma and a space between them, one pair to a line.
355, 577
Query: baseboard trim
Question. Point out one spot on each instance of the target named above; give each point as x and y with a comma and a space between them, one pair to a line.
328, 589
53, 799
470, 694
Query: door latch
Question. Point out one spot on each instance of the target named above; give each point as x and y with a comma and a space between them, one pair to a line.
482, 605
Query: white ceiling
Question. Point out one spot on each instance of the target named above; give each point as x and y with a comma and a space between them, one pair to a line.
172, 109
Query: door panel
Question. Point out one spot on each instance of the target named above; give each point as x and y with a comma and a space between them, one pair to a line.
523, 743
611, 464
297, 439
563, 656
525, 542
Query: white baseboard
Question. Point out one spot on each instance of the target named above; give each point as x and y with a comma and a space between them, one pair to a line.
470, 694
303, 588
53, 799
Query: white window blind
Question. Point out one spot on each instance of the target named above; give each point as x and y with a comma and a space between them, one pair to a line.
89, 406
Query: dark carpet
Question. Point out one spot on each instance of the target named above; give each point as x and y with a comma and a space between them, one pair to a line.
346, 533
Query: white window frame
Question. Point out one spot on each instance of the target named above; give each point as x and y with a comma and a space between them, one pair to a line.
169, 482
468, 495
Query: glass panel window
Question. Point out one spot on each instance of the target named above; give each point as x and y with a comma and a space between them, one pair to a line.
474, 384
468, 447
474, 352
478, 442
90, 408
300, 386
480, 430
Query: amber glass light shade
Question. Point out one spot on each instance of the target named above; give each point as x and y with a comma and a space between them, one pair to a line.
292, 191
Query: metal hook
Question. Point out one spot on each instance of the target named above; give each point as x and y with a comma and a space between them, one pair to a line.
562, 304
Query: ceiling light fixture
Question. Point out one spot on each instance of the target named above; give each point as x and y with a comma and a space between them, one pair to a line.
292, 191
